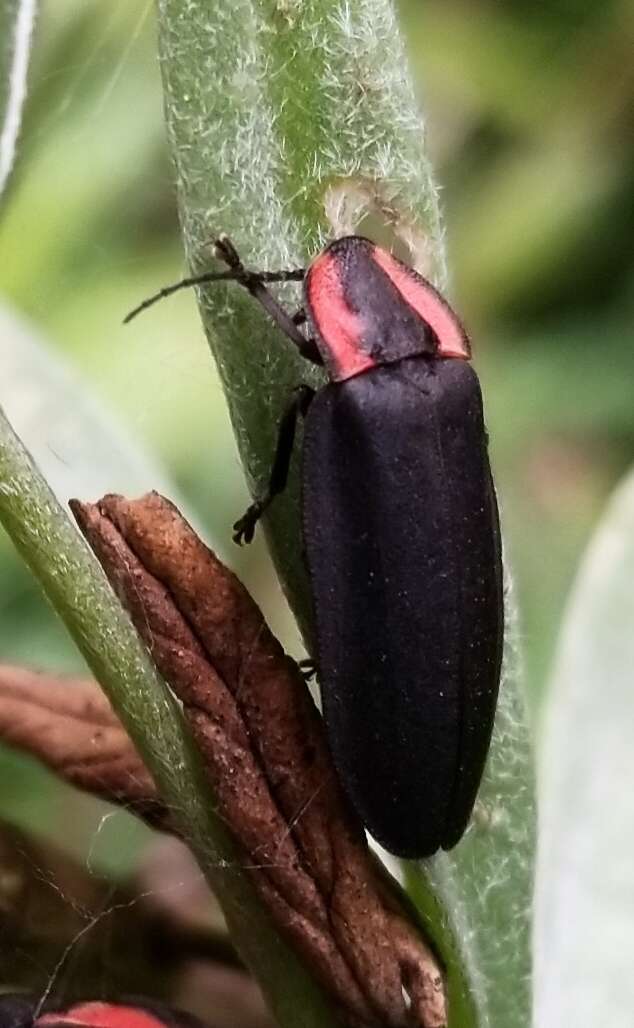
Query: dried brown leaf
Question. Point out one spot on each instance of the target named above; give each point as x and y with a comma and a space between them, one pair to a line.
69, 725
265, 752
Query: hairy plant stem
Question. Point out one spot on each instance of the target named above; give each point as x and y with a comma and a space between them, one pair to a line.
292, 121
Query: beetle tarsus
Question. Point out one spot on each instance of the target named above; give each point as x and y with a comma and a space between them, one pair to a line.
308, 669
244, 527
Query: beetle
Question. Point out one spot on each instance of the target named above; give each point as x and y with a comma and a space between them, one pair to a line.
22, 1010
401, 536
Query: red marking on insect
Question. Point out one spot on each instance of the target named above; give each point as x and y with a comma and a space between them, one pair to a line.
421, 296
102, 1015
339, 328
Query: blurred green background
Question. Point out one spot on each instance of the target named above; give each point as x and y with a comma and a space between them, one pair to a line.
527, 108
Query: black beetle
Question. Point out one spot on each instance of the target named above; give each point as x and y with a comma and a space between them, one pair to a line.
401, 537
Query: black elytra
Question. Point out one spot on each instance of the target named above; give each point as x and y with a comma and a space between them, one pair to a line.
401, 535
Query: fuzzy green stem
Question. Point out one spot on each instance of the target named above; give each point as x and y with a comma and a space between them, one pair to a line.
292, 121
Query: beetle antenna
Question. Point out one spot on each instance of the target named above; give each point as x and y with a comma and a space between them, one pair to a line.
236, 272
184, 283
246, 278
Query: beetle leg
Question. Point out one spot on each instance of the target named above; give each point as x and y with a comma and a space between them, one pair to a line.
308, 669
307, 346
300, 317
254, 282
244, 528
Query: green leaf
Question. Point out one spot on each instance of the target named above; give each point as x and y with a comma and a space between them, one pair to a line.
584, 902
72, 438
16, 26
81, 450
292, 121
